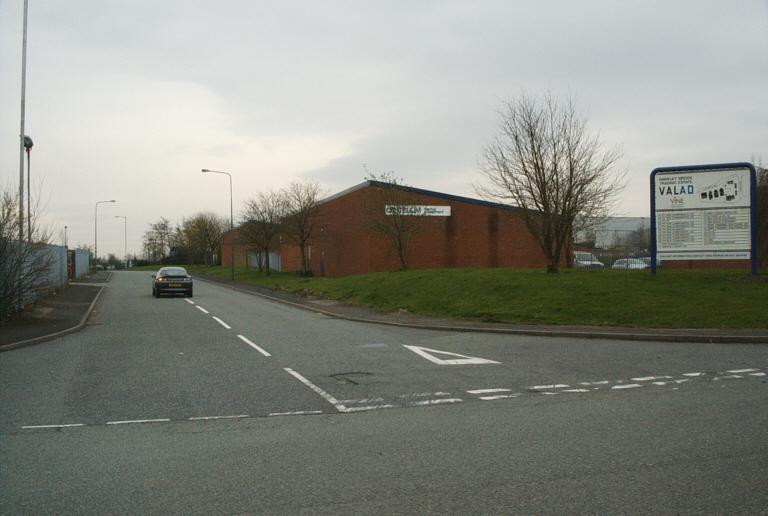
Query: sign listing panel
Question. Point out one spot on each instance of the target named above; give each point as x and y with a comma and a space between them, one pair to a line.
424, 211
702, 214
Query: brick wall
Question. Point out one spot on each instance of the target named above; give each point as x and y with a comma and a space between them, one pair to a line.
475, 235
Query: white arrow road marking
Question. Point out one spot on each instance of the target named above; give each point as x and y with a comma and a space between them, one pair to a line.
464, 359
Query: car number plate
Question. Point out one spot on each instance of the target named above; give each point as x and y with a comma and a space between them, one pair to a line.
172, 285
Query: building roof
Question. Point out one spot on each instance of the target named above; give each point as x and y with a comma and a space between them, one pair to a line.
430, 193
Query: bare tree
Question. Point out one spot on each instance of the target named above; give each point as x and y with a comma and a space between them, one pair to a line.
157, 240
545, 161
389, 212
262, 224
301, 221
203, 233
24, 265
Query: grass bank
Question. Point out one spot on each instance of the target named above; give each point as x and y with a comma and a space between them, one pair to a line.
673, 299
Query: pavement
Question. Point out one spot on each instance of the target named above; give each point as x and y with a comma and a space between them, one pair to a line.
64, 312
68, 311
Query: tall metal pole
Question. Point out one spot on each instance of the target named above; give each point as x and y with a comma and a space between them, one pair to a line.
96, 230
23, 114
125, 236
65, 236
28, 146
20, 265
231, 219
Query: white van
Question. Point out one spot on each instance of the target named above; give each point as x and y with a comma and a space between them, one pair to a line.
585, 260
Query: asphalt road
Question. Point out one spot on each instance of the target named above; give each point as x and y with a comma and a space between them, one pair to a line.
228, 403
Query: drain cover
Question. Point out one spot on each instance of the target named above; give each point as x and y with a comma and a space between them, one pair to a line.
351, 378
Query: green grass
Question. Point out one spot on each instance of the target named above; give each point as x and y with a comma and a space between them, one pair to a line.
672, 299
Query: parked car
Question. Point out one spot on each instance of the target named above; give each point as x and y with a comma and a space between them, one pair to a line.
630, 263
172, 280
585, 260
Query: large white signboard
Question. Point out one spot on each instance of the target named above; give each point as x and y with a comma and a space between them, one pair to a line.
424, 211
703, 214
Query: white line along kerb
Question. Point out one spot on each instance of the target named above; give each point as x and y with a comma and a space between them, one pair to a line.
429, 354
254, 346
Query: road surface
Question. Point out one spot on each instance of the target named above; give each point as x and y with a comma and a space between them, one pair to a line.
229, 403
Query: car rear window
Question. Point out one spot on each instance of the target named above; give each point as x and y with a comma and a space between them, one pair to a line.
173, 271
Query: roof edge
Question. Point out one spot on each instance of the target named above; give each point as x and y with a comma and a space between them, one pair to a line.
421, 191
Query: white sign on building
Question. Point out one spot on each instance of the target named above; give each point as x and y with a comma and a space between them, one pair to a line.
702, 214
424, 211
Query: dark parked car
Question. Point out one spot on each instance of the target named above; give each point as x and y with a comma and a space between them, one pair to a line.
172, 280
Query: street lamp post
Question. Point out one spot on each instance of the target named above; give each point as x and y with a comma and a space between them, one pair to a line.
231, 218
125, 244
65, 236
21, 153
96, 230
28, 144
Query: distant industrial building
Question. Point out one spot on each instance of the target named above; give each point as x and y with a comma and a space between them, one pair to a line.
454, 232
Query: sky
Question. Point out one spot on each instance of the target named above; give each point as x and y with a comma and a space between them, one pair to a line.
130, 100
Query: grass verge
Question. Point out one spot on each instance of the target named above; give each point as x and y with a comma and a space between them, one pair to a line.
672, 299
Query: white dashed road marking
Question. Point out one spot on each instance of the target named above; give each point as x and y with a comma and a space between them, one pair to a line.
488, 391
424, 394
407, 399
299, 413
133, 421
202, 309
32, 427
499, 397
371, 407
436, 402
189, 301
553, 386
254, 346
227, 326
627, 386
208, 418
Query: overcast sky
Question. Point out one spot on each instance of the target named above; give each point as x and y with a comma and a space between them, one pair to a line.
128, 100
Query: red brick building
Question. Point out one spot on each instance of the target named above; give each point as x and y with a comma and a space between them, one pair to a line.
463, 232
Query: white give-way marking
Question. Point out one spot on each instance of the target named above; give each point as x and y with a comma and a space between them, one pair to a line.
254, 346
429, 354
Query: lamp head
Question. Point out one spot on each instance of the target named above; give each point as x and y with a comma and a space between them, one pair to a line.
28, 143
